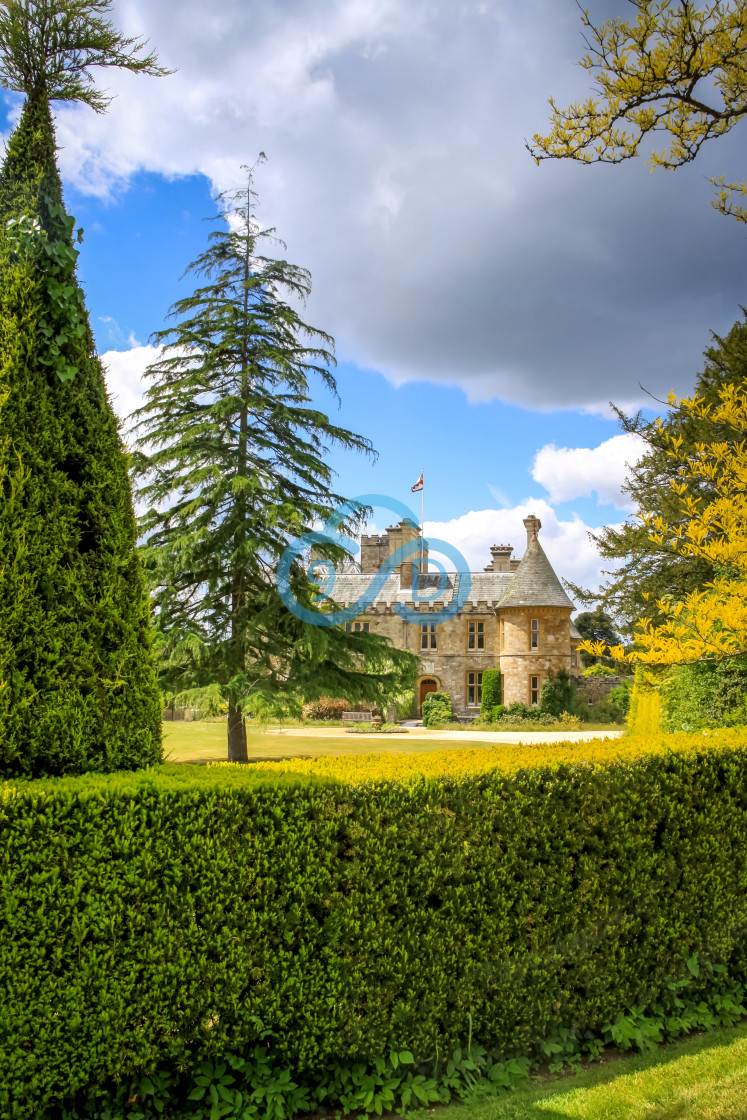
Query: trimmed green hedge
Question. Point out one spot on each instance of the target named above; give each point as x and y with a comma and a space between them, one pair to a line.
150, 918
707, 694
436, 708
491, 693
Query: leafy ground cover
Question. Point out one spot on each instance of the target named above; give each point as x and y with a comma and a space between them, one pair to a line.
703, 1078
376, 729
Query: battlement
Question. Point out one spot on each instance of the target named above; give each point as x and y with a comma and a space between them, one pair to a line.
374, 551
377, 548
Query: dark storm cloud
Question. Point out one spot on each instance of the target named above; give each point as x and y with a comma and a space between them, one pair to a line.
398, 175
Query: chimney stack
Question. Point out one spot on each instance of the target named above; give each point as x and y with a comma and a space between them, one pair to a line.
501, 554
404, 533
375, 550
532, 524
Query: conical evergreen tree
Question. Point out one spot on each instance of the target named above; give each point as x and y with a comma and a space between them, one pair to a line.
235, 465
77, 686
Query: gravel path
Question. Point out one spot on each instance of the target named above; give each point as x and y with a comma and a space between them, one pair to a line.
466, 737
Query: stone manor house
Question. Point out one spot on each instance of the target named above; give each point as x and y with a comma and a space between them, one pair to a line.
517, 618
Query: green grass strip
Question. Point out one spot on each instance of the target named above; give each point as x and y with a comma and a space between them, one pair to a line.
703, 1078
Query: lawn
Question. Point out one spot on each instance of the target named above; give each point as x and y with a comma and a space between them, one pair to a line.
206, 742
704, 1078
203, 741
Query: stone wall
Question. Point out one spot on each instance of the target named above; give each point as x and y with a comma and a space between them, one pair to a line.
594, 689
452, 660
376, 549
519, 662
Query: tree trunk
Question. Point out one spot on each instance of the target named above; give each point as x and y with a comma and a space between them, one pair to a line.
236, 724
236, 735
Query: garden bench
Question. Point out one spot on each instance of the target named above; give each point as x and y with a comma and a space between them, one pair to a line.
356, 717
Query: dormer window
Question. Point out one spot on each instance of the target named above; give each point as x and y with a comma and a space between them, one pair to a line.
535, 633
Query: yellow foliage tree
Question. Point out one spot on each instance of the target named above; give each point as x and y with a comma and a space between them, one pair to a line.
711, 493
679, 69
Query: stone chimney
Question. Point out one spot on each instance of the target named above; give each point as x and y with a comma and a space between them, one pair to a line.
376, 549
501, 554
532, 524
397, 535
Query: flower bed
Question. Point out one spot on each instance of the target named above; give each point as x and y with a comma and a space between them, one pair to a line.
376, 729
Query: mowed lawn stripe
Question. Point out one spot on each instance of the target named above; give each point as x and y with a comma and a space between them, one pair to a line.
206, 742
702, 1078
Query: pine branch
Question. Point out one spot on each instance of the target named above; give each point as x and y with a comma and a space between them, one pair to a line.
48, 47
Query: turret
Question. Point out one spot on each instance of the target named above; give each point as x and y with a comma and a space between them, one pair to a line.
399, 535
534, 624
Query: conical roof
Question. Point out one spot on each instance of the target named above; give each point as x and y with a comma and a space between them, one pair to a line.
535, 583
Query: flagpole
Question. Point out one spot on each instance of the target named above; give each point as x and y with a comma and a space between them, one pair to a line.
422, 518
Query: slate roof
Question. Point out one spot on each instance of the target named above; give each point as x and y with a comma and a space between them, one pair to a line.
575, 631
487, 587
535, 583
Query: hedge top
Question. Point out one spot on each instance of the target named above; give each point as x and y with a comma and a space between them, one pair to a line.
392, 767
468, 762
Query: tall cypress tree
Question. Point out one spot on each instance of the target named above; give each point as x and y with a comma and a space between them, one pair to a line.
235, 465
77, 686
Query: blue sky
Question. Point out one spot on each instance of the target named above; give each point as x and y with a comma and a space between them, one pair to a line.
476, 454
485, 310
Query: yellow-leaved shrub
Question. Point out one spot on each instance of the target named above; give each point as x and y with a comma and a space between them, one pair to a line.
468, 762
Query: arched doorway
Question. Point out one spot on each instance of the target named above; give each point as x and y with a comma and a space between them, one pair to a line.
428, 684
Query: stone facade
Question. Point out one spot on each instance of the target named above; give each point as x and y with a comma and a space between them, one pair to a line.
517, 618
519, 662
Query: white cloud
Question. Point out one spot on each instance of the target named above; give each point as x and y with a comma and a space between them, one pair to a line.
116, 336
499, 495
577, 472
124, 370
566, 542
397, 173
